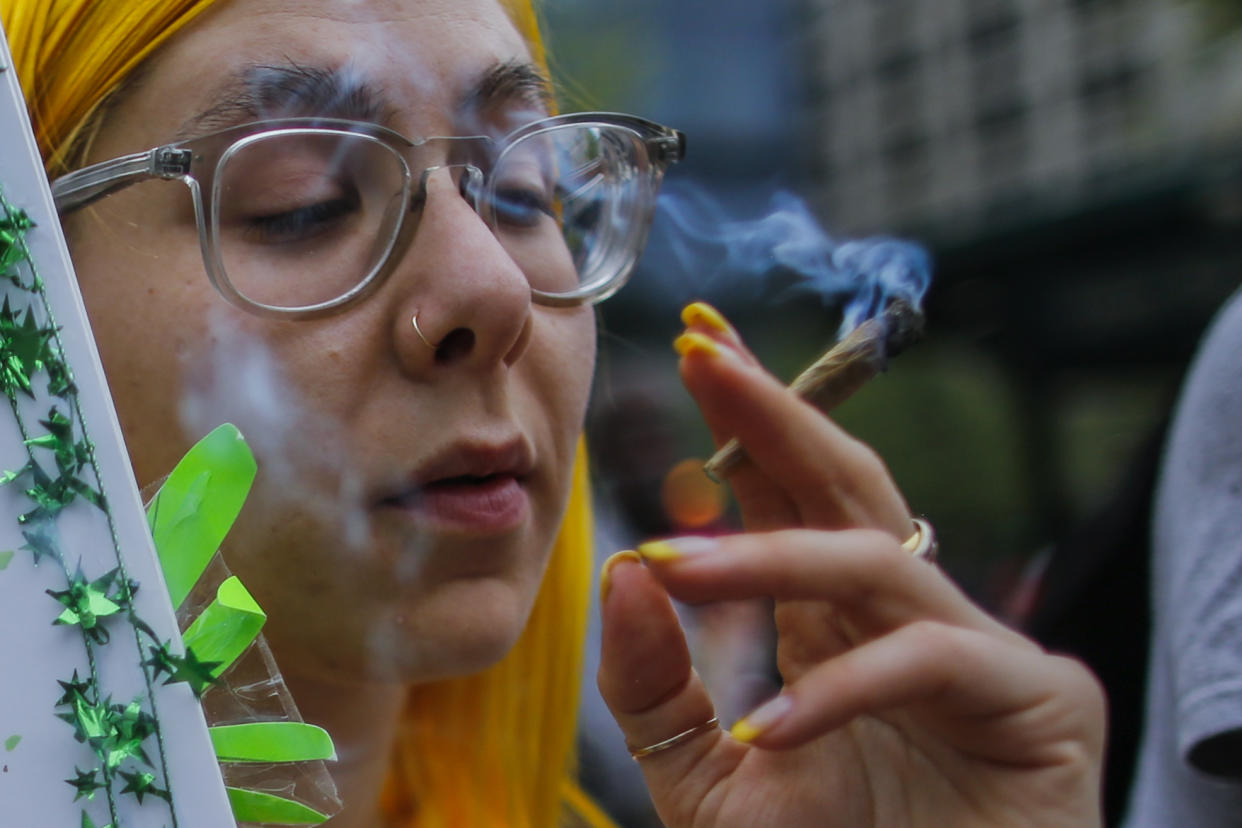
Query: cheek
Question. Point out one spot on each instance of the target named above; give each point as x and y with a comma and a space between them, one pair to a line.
566, 363
567, 358
147, 303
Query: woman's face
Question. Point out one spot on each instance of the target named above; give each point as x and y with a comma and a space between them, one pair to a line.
407, 497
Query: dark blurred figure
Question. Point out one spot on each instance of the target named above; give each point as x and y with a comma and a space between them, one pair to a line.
1089, 596
1149, 594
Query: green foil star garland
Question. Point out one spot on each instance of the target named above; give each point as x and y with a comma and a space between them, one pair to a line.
188, 520
118, 734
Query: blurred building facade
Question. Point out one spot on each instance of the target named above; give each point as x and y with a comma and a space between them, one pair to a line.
1077, 167
954, 116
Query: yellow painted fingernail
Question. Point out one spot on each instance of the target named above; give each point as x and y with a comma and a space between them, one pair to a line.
762, 718
671, 550
744, 731
659, 551
692, 342
701, 313
605, 575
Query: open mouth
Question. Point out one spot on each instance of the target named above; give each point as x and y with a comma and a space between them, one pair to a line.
478, 488
474, 504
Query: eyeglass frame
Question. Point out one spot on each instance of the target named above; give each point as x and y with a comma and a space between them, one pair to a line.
172, 161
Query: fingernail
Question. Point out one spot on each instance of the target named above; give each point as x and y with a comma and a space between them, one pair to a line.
675, 548
605, 575
763, 717
693, 342
701, 313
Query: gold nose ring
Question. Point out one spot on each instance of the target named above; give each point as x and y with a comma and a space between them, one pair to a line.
414, 322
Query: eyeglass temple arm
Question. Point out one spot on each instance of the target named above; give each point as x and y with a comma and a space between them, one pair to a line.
78, 189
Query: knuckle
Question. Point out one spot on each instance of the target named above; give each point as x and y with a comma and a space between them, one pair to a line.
942, 644
865, 465
880, 559
1081, 683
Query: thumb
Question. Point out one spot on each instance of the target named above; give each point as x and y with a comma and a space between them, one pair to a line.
649, 684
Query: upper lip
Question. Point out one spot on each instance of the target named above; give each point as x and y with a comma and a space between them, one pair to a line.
468, 459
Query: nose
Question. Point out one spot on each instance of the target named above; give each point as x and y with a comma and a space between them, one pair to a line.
465, 302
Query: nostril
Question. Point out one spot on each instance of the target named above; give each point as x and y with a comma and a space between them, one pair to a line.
457, 344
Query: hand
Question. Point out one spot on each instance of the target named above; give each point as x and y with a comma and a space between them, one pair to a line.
904, 704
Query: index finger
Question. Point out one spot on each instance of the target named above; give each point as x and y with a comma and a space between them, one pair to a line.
833, 480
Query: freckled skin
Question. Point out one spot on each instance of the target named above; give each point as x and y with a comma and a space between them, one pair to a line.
361, 400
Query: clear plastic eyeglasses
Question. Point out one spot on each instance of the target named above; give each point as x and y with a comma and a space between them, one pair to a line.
299, 217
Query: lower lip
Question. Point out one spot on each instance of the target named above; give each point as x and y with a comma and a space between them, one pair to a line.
492, 506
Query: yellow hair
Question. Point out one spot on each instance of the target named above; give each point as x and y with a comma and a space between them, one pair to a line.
495, 749
70, 54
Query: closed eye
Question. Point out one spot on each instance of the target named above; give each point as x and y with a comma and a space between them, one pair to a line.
300, 223
521, 207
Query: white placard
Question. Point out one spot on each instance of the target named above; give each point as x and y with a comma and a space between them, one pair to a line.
38, 751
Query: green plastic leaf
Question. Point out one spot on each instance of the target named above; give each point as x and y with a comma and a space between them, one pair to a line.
225, 629
255, 806
6, 556
271, 742
10, 744
197, 505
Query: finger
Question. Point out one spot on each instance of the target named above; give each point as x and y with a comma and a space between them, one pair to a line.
797, 449
763, 505
647, 680
700, 317
864, 575
976, 691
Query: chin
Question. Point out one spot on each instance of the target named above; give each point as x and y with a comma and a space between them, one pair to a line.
461, 630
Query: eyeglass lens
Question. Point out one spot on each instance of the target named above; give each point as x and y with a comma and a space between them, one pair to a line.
303, 217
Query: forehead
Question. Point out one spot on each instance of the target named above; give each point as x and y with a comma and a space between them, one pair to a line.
422, 56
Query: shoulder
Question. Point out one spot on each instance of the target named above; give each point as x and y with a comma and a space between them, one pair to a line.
1209, 409
1201, 474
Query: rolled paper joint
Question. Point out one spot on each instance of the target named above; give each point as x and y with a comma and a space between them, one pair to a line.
843, 369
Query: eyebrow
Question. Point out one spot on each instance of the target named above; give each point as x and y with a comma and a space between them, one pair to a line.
291, 90
513, 81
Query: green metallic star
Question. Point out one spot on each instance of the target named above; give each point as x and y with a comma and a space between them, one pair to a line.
91, 721
53, 494
40, 545
114, 732
87, 822
13, 226
131, 727
161, 662
197, 674
10, 476
74, 689
142, 783
25, 347
60, 379
71, 455
88, 603
86, 783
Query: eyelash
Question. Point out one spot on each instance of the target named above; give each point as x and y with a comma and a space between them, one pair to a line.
289, 225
